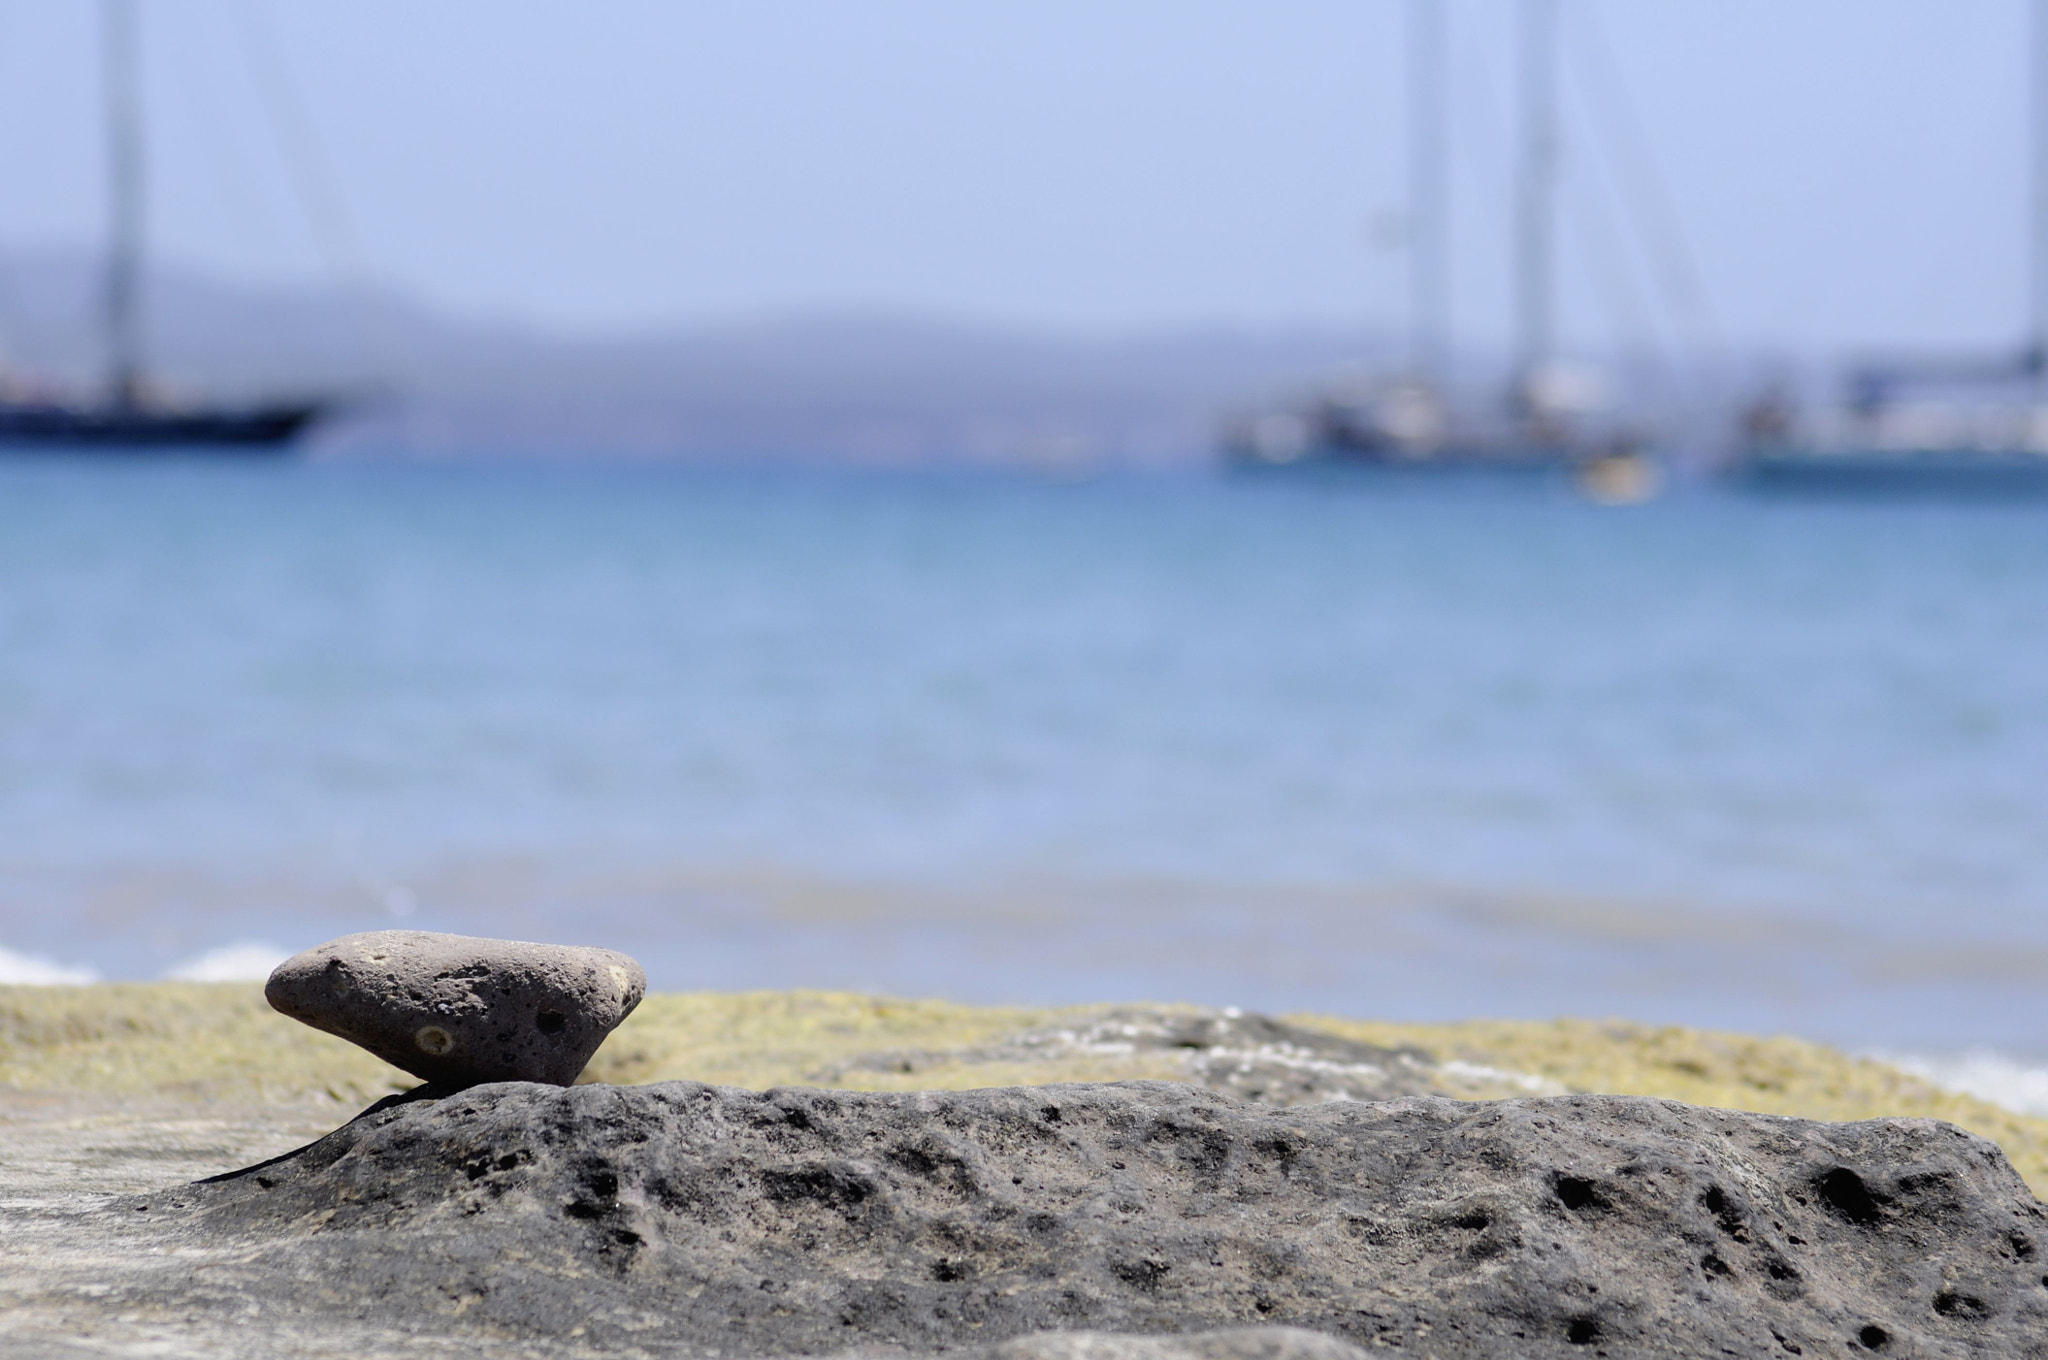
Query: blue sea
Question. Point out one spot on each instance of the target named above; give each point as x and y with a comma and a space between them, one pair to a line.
1382, 747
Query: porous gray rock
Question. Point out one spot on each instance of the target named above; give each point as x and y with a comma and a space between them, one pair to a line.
679, 1219
457, 1010
1235, 1343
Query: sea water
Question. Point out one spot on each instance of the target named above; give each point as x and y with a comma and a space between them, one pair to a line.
1383, 747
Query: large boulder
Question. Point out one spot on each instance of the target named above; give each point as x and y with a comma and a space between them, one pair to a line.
690, 1219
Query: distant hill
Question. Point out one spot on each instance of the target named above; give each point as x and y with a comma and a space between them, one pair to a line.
860, 389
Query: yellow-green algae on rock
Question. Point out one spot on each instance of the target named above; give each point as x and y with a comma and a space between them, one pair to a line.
1706, 1067
220, 1043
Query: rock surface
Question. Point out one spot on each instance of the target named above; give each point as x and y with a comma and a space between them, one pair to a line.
686, 1219
457, 1010
1238, 1343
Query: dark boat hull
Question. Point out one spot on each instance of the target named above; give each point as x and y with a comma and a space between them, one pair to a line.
1972, 474
111, 429
1518, 457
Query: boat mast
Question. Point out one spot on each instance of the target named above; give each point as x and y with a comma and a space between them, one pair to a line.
2036, 356
1535, 200
124, 201
1429, 191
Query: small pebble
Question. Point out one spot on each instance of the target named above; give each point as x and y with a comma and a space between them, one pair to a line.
457, 1010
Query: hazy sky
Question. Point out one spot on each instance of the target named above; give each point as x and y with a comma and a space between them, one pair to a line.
1845, 171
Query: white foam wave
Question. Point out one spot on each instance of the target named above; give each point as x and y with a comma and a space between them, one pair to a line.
32, 970
246, 961
2019, 1086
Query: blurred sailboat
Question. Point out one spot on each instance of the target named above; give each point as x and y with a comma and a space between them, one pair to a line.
1926, 425
130, 415
1546, 420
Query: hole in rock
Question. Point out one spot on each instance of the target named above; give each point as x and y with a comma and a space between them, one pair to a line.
551, 1022
1141, 1274
1845, 1193
600, 1194
917, 1161
1576, 1192
1582, 1332
1873, 1336
1727, 1214
1949, 1303
827, 1185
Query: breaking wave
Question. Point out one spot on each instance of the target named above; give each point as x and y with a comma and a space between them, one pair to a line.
2018, 1085
245, 961
33, 970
